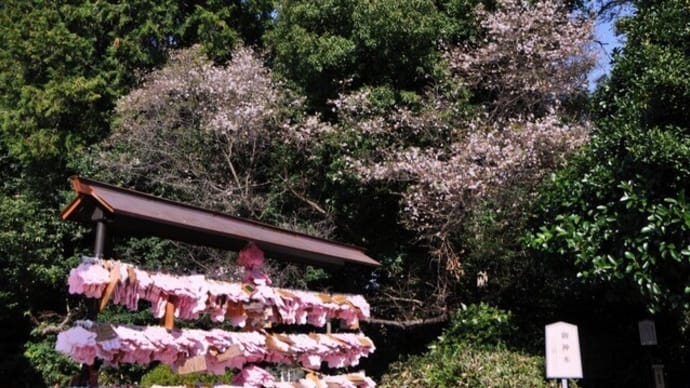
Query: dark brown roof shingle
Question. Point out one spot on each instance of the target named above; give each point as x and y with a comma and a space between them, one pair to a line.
137, 213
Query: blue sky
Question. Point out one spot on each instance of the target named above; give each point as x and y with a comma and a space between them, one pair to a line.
603, 33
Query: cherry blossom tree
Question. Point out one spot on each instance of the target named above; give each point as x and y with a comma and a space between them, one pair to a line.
533, 56
220, 137
194, 127
506, 122
234, 139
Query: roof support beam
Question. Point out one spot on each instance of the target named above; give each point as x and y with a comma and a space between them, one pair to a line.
134, 213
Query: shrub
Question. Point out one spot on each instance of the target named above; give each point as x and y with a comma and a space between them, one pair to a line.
162, 375
478, 325
465, 365
472, 352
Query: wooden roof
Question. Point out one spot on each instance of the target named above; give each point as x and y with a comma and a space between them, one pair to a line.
135, 213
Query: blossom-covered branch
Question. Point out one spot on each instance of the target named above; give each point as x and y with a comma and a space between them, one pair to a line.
534, 56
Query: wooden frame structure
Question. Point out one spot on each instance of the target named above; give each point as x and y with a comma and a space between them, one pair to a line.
131, 212
113, 209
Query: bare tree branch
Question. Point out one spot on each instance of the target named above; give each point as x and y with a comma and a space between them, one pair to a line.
610, 9
409, 323
306, 200
408, 300
46, 328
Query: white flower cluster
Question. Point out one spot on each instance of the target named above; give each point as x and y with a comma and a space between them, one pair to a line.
533, 57
207, 129
235, 100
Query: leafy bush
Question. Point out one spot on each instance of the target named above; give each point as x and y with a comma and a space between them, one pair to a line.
467, 366
51, 366
478, 325
471, 352
162, 375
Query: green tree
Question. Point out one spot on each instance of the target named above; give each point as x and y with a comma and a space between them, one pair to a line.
620, 210
63, 65
327, 47
33, 245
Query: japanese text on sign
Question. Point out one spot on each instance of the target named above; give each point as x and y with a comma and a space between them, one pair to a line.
562, 351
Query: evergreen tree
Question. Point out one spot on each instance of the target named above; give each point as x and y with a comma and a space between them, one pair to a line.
63, 65
620, 209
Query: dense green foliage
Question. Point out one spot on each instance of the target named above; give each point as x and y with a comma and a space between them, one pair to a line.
418, 129
468, 366
479, 325
63, 65
472, 352
162, 375
330, 47
35, 262
620, 210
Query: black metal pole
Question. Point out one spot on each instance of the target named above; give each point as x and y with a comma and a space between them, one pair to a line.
99, 243
99, 253
89, 373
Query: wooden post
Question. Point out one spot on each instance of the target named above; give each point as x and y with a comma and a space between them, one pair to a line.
89, 373
169, 317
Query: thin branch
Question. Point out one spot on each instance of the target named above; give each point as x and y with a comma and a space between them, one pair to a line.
398, 299
611, 9
192, 257
409, 323
45, 328
304, 199
228, 159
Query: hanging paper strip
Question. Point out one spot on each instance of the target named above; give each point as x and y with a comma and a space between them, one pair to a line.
255, 377
194, 295
213, 350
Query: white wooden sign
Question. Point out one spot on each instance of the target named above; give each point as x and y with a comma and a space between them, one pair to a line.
563, 351
647, 332
658, 376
